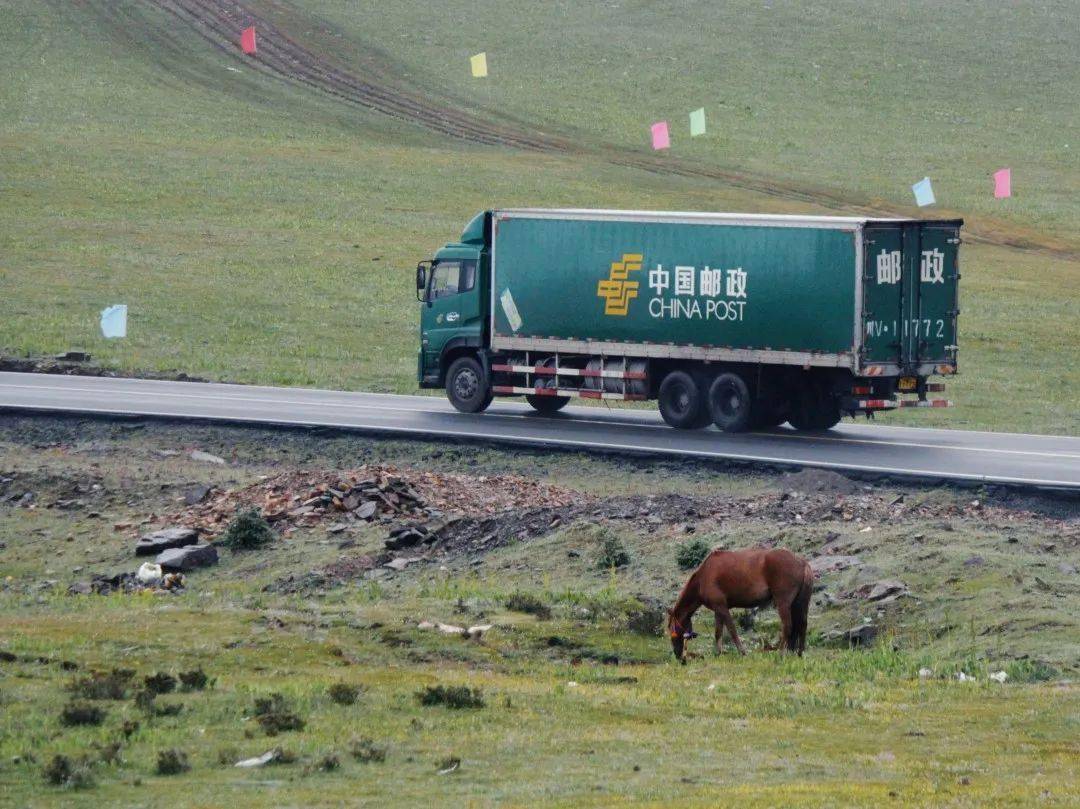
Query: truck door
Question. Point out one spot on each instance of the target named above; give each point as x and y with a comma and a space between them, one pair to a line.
452, 307
883, 284
909, 295
938, 274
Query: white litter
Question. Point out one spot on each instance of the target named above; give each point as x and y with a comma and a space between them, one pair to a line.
571, 684
472, 632
964, 678
261, 761
999, 676
149, 573
199, 455
925, 674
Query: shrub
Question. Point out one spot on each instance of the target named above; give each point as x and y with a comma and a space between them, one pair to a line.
275, 715
172, 762
452, 696
691, 554
194, 680
344, 693
1030, 671
61, 771
529, 604
102, 685
329, 762
365, 750
247, 531
160, 683
612, 553
81, 713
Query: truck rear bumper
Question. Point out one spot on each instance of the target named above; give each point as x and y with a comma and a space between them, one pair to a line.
851, 404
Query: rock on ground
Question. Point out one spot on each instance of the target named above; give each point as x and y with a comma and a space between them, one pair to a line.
187, 558
165, 539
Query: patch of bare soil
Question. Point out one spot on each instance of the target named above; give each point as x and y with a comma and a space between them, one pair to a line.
371, 493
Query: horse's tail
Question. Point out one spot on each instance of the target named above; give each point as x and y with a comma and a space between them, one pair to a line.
800, 609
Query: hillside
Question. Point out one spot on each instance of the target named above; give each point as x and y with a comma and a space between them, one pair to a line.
260, 216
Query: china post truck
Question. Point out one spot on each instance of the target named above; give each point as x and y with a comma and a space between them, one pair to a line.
744, 321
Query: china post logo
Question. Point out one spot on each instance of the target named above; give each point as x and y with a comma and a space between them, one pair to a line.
617, 290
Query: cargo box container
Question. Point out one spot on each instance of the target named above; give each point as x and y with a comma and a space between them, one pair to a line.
742, 320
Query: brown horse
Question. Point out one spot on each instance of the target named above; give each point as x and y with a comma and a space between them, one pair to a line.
746, 578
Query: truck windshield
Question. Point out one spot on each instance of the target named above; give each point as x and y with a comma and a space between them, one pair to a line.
451, 277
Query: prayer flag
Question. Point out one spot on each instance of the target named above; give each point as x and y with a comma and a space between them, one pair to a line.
661, 138
924, 194
479, 65
114, 321
1003, 183
697, 122
247, 40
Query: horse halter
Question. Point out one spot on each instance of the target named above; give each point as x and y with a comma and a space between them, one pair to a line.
679, 630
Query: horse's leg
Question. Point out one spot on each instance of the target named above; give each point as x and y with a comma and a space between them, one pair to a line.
724, 614
719, 631
783, 608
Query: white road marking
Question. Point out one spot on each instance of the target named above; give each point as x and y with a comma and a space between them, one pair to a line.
230, 397
586, 445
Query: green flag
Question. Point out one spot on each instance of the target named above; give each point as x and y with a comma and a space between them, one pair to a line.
697, 122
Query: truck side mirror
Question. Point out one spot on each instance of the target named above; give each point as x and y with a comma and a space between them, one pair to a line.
421, 280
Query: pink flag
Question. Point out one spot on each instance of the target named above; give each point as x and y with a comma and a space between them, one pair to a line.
1003, 183
661, 139
247, 40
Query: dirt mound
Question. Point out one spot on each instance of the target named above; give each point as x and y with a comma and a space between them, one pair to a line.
811, 480
368, 493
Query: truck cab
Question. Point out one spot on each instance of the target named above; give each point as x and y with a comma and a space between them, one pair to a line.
453, 291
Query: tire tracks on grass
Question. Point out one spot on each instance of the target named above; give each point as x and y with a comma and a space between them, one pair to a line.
281, 57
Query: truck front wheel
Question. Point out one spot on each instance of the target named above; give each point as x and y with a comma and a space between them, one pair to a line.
466, 386
547, 404
730, 403
680, 401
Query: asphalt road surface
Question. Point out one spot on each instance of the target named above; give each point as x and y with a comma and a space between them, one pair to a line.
1031, 460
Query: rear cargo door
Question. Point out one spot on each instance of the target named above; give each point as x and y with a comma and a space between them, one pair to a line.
938, 274
883, 287
909, 295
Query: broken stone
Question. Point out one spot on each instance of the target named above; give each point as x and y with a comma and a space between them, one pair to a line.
187, 558
166, 538
883, 592
1066, 568
861, 636
196, 494
199, 455
974, 561
401, 562
999, 676
336, 528
366, 510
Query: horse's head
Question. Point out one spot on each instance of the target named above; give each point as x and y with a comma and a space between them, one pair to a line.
680, 632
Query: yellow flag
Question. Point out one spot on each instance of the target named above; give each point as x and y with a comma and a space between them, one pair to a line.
479, 65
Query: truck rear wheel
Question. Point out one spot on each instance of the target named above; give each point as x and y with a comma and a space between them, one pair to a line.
547, 404
680, 401
466, 386
730, 403
814, 408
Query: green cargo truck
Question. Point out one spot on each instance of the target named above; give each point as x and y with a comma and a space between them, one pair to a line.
742, 320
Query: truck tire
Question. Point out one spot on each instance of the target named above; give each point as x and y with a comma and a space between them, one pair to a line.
466, 386
768, 414
547, 404
680, 401
730, 403
814, 408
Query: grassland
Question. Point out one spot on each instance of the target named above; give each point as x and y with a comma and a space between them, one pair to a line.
579, 709
262, 232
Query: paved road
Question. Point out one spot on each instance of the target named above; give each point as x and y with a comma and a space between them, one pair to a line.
1032, 460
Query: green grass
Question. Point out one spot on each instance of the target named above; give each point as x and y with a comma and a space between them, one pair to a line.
261, 233
836, 727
